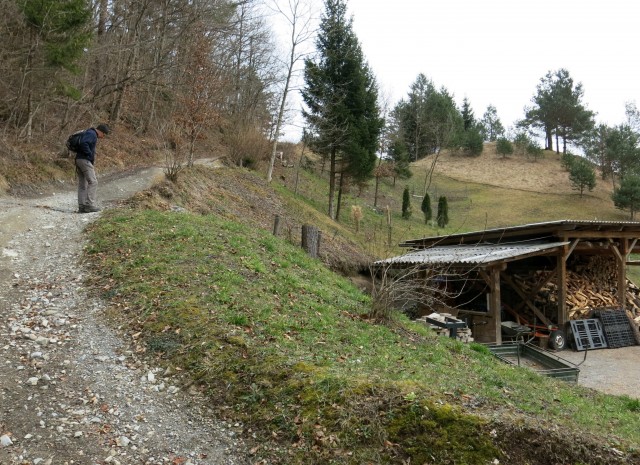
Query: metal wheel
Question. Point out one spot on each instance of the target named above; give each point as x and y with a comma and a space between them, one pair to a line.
557, 340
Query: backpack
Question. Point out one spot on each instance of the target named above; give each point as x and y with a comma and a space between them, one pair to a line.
73, 142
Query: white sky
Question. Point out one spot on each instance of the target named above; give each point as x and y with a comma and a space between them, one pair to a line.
496, 51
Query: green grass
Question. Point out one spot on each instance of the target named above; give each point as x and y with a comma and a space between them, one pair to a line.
287, 344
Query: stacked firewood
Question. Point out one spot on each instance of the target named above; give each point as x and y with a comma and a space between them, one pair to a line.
462, 334
591, 284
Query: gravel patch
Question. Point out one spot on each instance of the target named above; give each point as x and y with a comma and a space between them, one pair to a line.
72, 390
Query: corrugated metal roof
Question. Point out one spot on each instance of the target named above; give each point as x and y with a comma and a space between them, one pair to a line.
480, 254
547, 229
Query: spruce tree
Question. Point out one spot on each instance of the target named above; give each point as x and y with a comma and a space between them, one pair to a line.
426, 208
341, 95
443, 212
406, 204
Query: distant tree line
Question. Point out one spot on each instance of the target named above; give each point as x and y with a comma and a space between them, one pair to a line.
184, 71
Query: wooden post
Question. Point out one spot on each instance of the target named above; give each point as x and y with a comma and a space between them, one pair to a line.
311, 240
561, 275
622, 273
495, 320
276, 225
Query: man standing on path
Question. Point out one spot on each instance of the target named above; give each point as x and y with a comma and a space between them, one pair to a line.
85, 158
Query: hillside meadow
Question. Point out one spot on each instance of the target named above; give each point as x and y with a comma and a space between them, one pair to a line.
285, 345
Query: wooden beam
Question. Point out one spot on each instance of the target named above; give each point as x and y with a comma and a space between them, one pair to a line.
573, 246
526, 299
495, 300
590, 234
631, 247
561, 283
487, 279
621, 256
544, 280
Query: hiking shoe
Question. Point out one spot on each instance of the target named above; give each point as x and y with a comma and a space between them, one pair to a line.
82, 209
91, 209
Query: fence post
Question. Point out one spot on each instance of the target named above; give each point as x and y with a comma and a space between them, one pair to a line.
311, 240
276, 225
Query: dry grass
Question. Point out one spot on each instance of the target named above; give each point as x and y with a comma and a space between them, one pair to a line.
490, 191
542, 176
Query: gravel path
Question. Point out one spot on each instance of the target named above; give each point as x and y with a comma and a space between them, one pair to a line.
71, 390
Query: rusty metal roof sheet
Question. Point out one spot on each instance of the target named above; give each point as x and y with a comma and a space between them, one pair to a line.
478, 254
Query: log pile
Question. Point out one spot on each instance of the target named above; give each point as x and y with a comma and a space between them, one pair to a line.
591, 285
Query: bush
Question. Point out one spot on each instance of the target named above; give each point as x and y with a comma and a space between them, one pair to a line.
582, 175
504, 147
246, 146
469, 143
473, 142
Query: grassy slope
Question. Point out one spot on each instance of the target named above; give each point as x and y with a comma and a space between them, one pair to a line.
287, 343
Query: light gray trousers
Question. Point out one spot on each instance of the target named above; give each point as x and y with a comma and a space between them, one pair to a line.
87, 183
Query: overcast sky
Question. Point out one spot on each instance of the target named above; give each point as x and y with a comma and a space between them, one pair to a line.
496, 51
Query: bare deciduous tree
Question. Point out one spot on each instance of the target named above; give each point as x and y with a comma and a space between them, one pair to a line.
298, 17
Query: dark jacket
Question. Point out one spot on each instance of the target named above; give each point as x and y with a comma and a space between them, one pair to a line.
87, 145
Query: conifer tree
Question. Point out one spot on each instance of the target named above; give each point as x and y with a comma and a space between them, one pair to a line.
504, 147
582, 175
627, 196
341, 99
443, 212
426, 208
406, 204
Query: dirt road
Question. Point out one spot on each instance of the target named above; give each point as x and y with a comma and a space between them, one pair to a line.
71, 389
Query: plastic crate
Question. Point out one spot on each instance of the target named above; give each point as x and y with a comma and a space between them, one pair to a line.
616, 327
588, 334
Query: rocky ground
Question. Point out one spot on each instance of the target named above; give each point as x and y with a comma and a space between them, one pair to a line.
72, 390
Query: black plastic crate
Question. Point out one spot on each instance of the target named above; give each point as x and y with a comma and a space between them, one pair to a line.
588, 334
617, 328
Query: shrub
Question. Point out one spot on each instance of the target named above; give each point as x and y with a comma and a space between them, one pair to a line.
406, 204
426, 207
443, 212
504, 147
582, 175
246, 146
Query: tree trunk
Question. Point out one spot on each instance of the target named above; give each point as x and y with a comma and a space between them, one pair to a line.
332, 183
295, 191
337, 218
375, 195
311, 240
